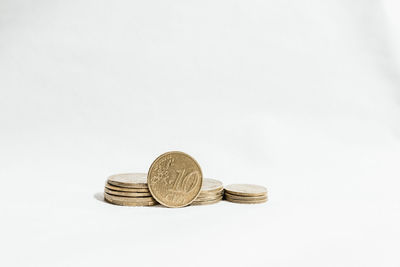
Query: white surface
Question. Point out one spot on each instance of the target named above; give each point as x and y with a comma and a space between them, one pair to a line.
299, 96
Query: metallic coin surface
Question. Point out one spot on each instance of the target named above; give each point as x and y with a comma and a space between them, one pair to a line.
175, 179
247, 198
129, 180
124, 203
211, 185
129, 199
247, 202
124, 189
205, 193
207, 202
209, 196
127, 194
246, 190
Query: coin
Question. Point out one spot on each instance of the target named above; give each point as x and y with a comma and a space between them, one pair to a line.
124, 203
247, 202
127, 194
246, 190
175, 179
211, 192
248, 198
211, 185
129, 199
129, 180
206, 194
208, 198
206, 202
123, 189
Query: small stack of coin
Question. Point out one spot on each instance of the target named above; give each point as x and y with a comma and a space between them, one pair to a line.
128, 189
212, 191
246, 193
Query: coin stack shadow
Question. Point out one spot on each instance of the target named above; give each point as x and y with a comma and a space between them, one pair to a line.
128, 189
212, 191
245, 193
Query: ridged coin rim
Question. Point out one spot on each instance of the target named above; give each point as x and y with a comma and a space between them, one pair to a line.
124, 189
238, 192
127, 194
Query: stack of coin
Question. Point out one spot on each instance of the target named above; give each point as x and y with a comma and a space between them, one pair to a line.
128, 189
212, 191
246, 193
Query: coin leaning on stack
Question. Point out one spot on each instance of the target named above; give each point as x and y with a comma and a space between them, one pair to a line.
175, 179
212, 191
246, 193
128, 189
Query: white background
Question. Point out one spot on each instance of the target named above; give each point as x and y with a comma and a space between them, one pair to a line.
299, 96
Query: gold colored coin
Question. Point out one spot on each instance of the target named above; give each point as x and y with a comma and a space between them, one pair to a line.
207, 202
227, 195
175, 179
129, 199
124, 203
129, 180
127, 194
123, 189
211, 185
246, 190
208, 197
247, 202
210, 194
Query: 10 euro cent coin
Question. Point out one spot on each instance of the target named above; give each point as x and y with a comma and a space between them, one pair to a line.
175, 179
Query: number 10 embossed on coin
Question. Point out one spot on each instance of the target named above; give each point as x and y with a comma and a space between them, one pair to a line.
175, 179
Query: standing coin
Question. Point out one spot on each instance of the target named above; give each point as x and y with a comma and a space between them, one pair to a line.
129, 180
175, 179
